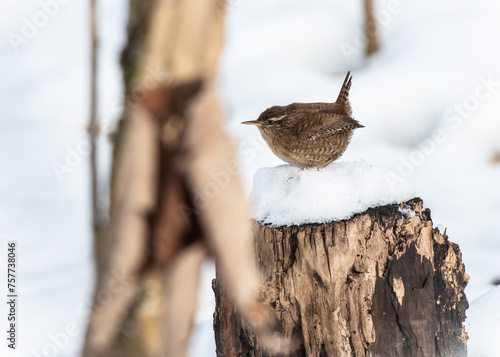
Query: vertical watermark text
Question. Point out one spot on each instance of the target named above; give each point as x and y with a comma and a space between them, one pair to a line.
12, 295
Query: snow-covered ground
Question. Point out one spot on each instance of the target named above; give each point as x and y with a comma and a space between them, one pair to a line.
429, 100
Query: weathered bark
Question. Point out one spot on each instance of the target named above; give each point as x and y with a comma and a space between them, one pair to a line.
383, 283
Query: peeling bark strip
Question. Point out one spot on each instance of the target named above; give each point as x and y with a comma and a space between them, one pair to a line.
383, 283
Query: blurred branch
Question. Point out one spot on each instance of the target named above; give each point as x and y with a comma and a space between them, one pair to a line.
373, 43
93, 125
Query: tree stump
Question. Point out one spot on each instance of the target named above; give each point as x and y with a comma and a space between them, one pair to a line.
383, 283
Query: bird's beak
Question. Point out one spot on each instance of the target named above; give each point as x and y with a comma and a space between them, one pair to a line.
252, 122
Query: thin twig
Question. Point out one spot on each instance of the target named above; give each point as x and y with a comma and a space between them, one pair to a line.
93, 125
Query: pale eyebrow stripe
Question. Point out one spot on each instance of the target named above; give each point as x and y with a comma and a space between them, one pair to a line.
278, 118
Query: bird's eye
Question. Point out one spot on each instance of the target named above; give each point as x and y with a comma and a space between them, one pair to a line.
270, 122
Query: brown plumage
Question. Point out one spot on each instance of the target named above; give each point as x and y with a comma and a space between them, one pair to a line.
309, 134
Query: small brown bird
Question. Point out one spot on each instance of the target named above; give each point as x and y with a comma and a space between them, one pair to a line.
309, 134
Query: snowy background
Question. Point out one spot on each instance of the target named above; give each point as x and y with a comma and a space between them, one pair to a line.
429, 100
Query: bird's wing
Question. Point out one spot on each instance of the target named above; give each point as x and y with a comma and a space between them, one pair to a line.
342, 104
331, 125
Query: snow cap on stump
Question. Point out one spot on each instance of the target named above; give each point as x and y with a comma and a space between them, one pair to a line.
288, 195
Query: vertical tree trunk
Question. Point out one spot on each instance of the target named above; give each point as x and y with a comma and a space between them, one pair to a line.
171, 153
383, 283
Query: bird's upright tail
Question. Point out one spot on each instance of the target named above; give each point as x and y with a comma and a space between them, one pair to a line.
344, 91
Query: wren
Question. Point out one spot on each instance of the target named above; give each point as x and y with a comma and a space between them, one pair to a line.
309, 134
